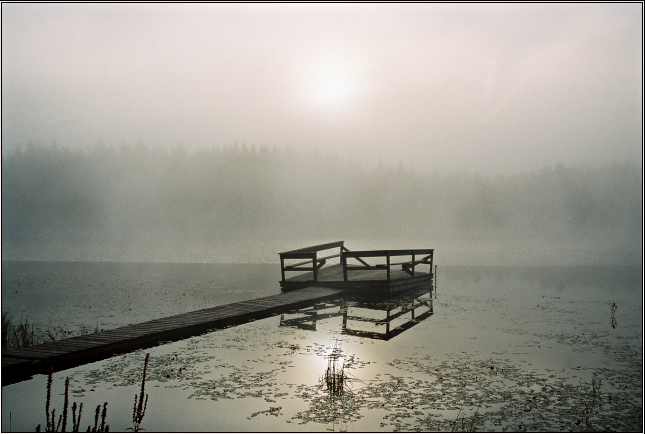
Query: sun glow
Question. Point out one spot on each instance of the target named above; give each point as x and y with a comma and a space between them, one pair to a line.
331, 85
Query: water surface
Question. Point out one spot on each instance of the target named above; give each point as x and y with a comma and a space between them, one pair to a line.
505, 349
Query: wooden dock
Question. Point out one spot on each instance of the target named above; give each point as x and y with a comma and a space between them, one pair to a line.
370, 272
363, 273
20, 364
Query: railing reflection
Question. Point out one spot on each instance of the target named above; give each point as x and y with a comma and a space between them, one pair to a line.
375, 319
306, 318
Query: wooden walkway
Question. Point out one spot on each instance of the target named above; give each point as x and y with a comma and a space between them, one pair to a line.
21, 364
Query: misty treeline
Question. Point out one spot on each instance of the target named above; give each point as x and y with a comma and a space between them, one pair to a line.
139, 193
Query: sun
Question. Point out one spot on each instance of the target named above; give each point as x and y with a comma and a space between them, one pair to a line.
331, 85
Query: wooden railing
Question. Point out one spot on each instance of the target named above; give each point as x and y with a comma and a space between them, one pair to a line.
311, 260
425, 255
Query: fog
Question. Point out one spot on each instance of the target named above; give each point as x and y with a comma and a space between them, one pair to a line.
168, 131
139, 201
488, 88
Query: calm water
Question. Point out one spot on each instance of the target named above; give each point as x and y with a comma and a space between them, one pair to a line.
506, 348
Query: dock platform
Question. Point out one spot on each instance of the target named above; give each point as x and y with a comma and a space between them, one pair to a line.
21, 363
366, 272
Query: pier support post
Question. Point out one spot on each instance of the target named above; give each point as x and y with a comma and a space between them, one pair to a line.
434, 281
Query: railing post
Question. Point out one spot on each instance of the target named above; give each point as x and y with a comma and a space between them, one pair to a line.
343, 259
413, 267
388, 267
315, 262
282, 267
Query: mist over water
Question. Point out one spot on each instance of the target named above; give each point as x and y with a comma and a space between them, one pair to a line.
228, 133
245, 204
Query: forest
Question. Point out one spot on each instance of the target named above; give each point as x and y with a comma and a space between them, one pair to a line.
242, 192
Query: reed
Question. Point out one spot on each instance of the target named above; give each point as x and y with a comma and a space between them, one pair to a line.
48, 400
463, 423
76, 421
140, 404
18, 335
6, 323
100, 413
590, 402
65, 404
24, 334
336, 380
61, 426
103, 427
58, 333
50, 414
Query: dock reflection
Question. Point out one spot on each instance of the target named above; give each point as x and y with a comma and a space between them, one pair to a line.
375, 319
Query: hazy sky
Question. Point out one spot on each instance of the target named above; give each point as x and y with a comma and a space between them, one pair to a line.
483, 87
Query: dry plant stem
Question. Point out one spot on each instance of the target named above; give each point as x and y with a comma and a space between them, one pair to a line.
96, 418
6, 324
103, 416
140, 403
65, 403
50, 422
76, 422
61, 425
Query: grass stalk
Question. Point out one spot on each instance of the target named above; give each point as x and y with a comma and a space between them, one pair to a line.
463, 423
60, 424
76, 422
140, 403
48, 399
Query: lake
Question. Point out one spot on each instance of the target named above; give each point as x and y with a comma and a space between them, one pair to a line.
505, 348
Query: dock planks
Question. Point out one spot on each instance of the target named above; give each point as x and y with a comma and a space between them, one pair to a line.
20, 364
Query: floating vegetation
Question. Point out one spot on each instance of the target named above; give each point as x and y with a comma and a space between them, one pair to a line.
506, 398
346, 408
501, 390
499, 395
272, 411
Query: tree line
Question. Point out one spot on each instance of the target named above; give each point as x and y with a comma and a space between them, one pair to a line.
246, 191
